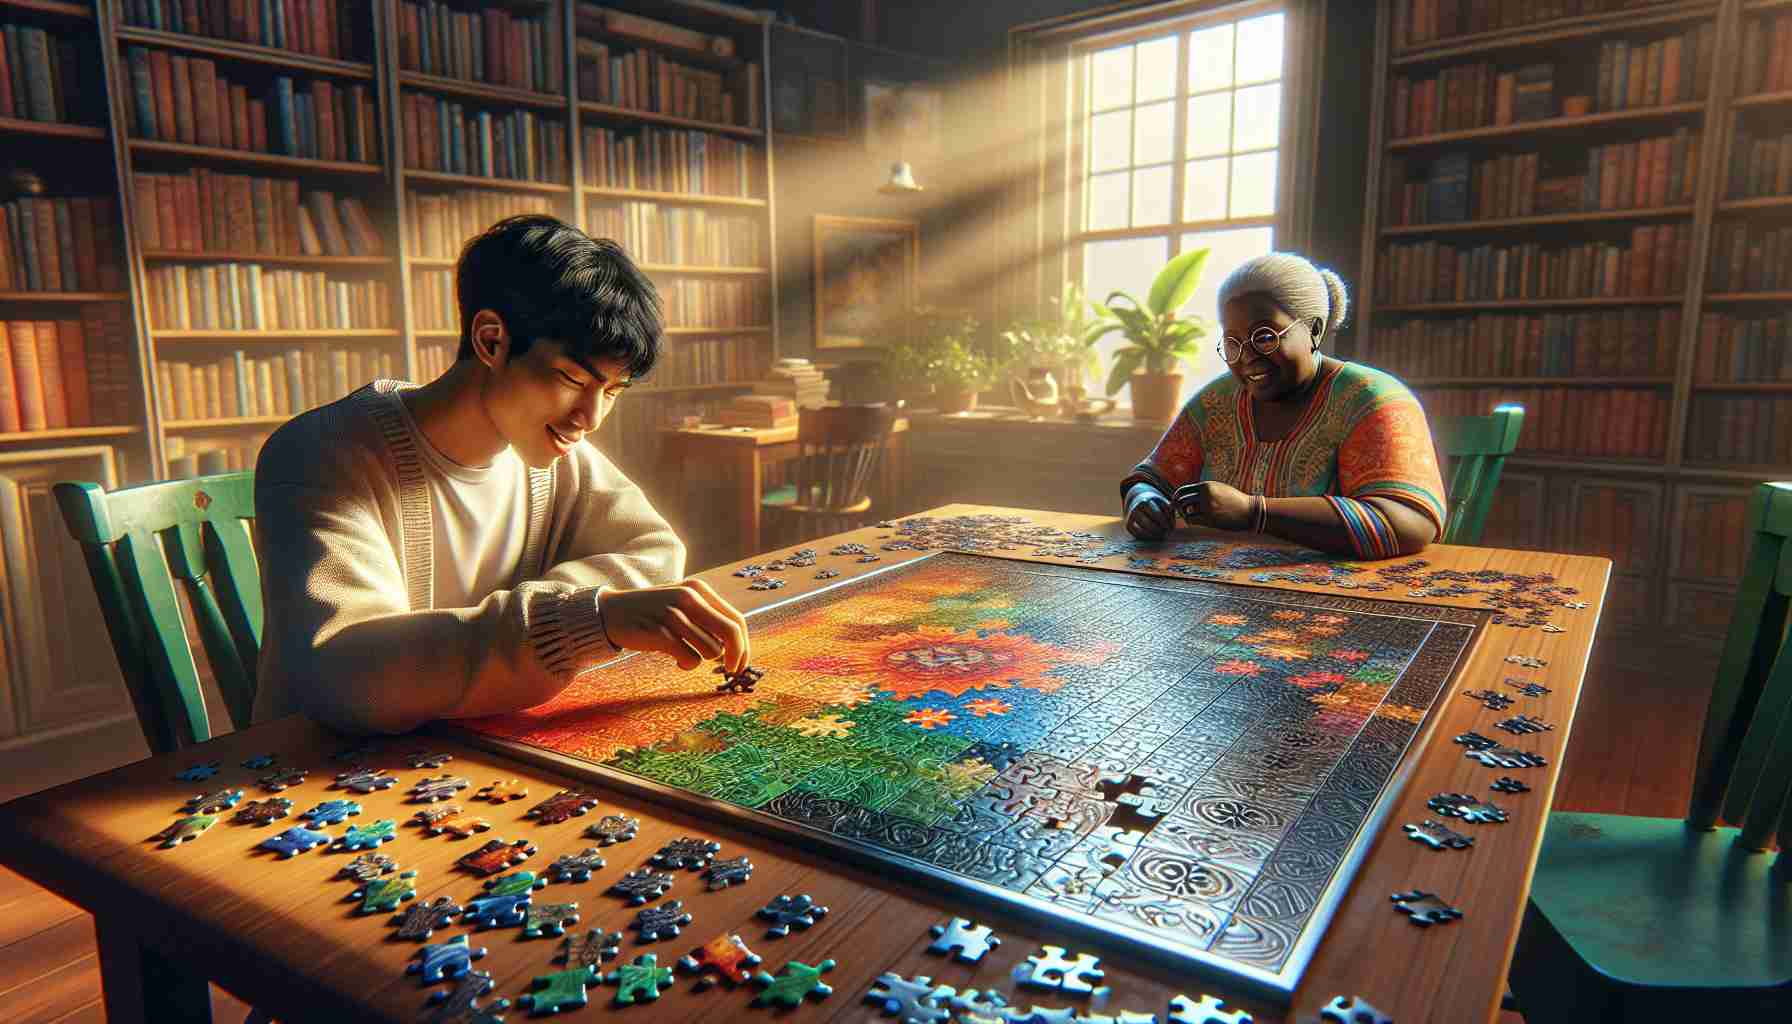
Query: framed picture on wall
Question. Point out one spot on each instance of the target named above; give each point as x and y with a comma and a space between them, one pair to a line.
865, 272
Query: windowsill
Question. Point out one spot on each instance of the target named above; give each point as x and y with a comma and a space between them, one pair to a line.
1011, 418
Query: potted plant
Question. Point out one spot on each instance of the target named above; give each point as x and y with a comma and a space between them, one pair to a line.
1157, 340
936, 349
1063, 343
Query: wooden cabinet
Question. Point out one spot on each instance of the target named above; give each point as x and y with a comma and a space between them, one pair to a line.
1518, 517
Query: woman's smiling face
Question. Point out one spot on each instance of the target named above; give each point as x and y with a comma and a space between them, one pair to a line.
1282, 370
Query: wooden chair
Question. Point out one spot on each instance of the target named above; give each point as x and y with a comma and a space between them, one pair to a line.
840, 450
1477, 446
1658, 919
137, 542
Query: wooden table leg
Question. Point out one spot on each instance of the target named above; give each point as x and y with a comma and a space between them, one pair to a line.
141, 985
751, 491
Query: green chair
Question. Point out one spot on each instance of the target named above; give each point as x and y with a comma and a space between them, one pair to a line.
1658, 919
137, 542
1477, 446
841, 447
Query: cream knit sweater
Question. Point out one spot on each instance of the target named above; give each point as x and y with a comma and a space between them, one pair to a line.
343, 535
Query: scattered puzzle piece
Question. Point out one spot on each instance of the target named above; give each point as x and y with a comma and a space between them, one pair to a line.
259, 762
726, 955
425, 760
517, 883
641, 885
212, 803
787, 912
1050, 969
460, 1005
661, 922
1468, 808
295, 840
261, 812
1352, 1011
1119, 1017
439, 787
365, 780
461, 826
971, 1000
1521, 725
724, 873
1207, 1010
686, 852
184, 830
1489, 699
496, 911
1040, 1015
445, 960
1438, 836
1527, 688
1476, 741
282, 779
590, 949
367, 867
640, 980
1501, 756
1507, 784
367, 837
576, 867
910, 1001
612, 829
565, 804
559, 990
499, 792
199, 772
496, 855
966, 940
793, 983
385, 894
1424, 908
331, 812
549, 919
422, 919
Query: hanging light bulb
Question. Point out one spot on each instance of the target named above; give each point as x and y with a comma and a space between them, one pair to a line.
902, 179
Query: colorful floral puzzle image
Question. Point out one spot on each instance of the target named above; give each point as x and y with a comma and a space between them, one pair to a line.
1180, 763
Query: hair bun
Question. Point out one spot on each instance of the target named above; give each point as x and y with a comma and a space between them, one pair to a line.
1340, 302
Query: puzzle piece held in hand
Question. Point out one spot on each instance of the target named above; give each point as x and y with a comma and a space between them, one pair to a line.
496, 855
576, 867
787, 912
1424, 908
367, 837
331, 812
558, 991
385, 893
294, 841
726, 955
1206, 1010
686, 852
641, 885
793, 983
184, 830
661, 922
966, 940
444, 960
640, 980
565, 804
590, 949
460, 1005
731, 871
421, 920
1468, 808
612, 829
1051, 969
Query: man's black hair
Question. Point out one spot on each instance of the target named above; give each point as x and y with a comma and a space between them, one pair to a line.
548, 279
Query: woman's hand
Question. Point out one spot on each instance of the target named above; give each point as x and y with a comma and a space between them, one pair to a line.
1211, 503
1148, 513
687, 620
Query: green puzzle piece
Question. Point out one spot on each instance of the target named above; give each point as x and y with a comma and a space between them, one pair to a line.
794, 982
516, 883
386, 893
642, 979
558, 991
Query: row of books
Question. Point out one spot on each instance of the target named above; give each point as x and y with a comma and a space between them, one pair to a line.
1760, 166
1597, 422
200, 211
40, 77
692, 361
191, 457
1425, 22
668, 160
1720, 523
653, 233
337, 29
187, 99
433, 303
693, 303
445, 135
434, 358
285, 383
1766, 62
251, 297
1750, 258
1606, 343
1653, 264
491, 46
441, 222
65, 373
1739, 349
65, 244
1642, 174
651, 81
1738, 430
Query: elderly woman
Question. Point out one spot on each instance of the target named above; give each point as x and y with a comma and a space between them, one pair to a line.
1312, 449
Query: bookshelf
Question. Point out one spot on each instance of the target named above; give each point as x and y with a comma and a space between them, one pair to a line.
1642, 359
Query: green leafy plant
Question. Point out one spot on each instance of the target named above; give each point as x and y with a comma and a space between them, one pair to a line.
938, 348
1157, 339
1066, 339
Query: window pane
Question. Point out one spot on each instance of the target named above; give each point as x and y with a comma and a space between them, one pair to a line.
1157, 70
1151, 196
1209, 124
1110, 140
1210, 59
1110, 78
1204, 189
1254, 184
1258, 122
1108, 201
1124, 264
1260, 48
1156, 136
1229, 249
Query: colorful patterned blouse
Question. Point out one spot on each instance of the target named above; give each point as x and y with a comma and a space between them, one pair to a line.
1363, 434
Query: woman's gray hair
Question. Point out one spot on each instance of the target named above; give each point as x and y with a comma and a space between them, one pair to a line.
1300, 288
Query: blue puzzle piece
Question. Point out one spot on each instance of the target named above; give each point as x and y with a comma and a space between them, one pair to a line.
199, 772
294, 840
259, 761
451, 959
331, 812
497, 911
367, 837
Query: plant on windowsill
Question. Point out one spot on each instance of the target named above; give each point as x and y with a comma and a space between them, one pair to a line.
937, 349
1157, 340
1063, 345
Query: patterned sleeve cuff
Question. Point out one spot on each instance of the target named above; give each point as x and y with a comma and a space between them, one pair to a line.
1144, 473
567, 627
1371, 535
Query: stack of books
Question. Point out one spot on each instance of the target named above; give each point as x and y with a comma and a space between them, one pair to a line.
797, 380
759, 411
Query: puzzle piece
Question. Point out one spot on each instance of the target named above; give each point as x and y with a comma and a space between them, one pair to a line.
282, 779
731, 871
367, 837
331, 812
444, 960
612, 829
1527, 688
498, 792
425, 760
640, 980
1424, 908
199, 772
439, 787
1500, 756
295, 840
1050, 969
1352, 1010
212, 803
461, 826
726, 955
1206, 1010
686, 852
559, 991
1522, 725
661, 922
514, 884
966, 940
576, 867
1121, 1017
496, 855
1466, 807
793, 983
184, 830
787, 912
1438, 836
261, 812
1526, 660
1507, 784
910, 1000
641, 885
495, 911
565, 804
766, 583
422, 919
259, 762
367, 867
1475, 741
826, 574
386, 893
739, 682
1489, 699
549, 919
365, 780
1039, 1015
590, 949
460, 1005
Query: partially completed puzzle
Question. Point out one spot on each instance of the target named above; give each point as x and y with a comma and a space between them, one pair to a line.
1182, 762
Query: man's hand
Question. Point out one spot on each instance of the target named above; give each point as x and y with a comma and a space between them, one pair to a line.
687, 620
1211, 503
1148, 513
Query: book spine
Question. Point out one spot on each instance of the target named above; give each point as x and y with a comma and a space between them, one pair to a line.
28, 375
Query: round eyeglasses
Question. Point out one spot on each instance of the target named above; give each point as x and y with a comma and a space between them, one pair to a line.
1264, 340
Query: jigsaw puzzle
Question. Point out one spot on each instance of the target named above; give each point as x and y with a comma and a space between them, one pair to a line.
1176, 758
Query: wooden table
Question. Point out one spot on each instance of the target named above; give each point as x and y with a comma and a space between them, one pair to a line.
746, 452
278, 934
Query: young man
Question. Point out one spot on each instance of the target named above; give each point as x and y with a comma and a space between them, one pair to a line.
456, 549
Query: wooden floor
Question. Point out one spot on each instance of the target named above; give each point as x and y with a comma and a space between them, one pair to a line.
1631, 752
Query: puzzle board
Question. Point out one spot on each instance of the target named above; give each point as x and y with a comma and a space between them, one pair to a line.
1192, 769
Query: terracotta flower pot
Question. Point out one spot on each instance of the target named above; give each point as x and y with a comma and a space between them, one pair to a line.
1154, 396
953, 400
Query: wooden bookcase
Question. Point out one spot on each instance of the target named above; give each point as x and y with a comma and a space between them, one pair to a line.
1669, 514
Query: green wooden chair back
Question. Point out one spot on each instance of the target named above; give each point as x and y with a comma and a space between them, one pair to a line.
1744, 768
137, 542
1476, 447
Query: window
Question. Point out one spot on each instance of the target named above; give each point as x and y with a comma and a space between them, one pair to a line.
1180, 128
